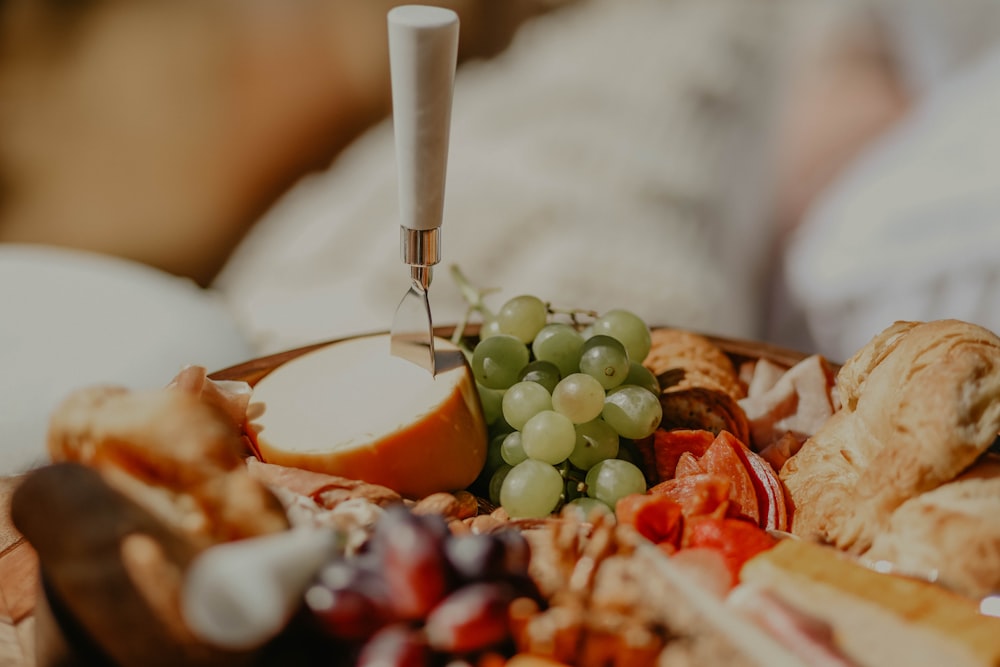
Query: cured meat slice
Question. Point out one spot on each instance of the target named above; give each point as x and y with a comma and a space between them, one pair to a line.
668, 446
724, 458
799, 402
657, 517
326, 490
770, 491
696, 494
688, 464
737, 539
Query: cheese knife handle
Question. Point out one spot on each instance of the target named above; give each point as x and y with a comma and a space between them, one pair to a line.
423, 50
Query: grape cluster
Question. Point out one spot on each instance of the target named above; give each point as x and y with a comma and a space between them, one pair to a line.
561, 400
417, 593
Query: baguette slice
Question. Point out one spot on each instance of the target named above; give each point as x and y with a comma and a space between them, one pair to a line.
878, 619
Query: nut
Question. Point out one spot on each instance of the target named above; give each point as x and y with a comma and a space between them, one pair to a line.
443, 504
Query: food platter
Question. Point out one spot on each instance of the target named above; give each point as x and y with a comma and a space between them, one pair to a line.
36, 630
23, 612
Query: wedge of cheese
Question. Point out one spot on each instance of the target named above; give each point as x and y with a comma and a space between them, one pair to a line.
352, 409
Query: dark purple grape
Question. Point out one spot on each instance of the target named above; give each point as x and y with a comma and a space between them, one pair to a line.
396, 645
472, 618
345, 613
488, 556
517, 551
476, 557
416, 572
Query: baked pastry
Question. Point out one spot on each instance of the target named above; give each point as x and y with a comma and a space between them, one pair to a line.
920, 403
951, 533
178, 457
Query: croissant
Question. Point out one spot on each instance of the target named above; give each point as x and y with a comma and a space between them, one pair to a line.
920, 404
951, 533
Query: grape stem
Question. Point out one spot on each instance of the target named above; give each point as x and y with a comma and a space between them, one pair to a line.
574, 314
569, 472
474, 297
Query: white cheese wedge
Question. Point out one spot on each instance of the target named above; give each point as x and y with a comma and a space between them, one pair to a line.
352, 409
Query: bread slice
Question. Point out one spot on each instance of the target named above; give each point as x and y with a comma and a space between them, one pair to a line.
878, 619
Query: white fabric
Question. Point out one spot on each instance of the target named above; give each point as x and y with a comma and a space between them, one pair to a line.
73, 319
612, 157
930, 40
913, 230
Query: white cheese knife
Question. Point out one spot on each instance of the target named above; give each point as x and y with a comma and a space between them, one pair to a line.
423, 50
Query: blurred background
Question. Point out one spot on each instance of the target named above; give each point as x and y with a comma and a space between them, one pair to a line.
203, 181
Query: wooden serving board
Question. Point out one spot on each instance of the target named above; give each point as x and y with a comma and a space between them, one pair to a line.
18, 578
19, 565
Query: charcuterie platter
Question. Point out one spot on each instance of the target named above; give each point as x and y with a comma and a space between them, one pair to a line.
704, 560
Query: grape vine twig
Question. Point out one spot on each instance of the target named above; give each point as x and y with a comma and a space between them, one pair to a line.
474, 297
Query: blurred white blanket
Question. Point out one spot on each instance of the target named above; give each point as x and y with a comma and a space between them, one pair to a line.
73, 319
612, 157
913, 230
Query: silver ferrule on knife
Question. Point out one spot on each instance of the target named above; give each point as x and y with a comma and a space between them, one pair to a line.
421, 249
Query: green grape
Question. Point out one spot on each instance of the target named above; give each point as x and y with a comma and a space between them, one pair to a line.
643, 377
489, 327
578, 396
544, 373
512, 450
586, 508
492, 402
613, 479
522, 317
523, 401
633, 411
492, 463
605, 359
561, 344
627, 327
595, 442
496, 482
549, 437
531, 489
494, 458
497, 360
